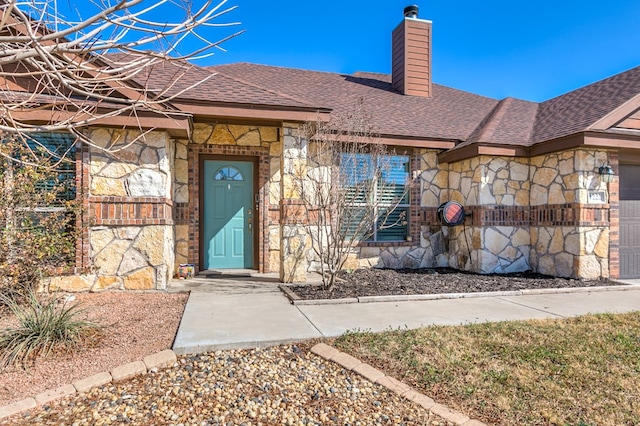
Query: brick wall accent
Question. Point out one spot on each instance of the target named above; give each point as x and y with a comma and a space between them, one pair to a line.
131, 211
243, 153
549, 215
83, 171
415, 194
570, 215
294, 212
181, 213
274, 215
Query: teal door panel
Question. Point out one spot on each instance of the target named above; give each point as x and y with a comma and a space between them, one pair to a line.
227, 214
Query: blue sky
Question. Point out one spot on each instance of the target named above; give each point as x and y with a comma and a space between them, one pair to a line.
532, 50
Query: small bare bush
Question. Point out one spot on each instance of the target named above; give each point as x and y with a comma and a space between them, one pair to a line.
38, 211
353, 188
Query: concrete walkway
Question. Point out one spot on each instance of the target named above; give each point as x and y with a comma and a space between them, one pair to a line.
247, 312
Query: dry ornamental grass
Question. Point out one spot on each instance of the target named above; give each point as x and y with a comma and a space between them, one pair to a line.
134, 325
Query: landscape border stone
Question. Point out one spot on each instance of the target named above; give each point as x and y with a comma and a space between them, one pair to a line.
17, 407
296, 300
366, 371
88, 383
126, 371
343, 301
53, 394
160, 359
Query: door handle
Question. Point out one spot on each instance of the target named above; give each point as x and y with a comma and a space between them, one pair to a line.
250, 225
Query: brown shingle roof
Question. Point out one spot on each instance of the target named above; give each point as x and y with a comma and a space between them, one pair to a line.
450, 114
510, 123
190, 82
577, 110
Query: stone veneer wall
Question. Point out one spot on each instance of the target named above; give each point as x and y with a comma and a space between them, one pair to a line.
523, 214
294, 232
494, 240
572, 238
130, 226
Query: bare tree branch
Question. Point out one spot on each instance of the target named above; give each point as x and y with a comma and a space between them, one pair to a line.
64, 73
351, 188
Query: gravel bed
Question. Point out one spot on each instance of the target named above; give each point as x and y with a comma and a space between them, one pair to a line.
135, 325
382, 282
283, 385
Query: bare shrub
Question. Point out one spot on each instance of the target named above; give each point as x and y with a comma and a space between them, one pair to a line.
353, 188
38, 211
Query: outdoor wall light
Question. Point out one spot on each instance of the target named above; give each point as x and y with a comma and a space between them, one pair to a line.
606, 173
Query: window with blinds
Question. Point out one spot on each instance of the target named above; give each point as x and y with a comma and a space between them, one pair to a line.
43, 213
59, 150
376, 187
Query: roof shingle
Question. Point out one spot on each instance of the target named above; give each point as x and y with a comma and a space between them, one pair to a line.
190, 82
450, 114
577, 110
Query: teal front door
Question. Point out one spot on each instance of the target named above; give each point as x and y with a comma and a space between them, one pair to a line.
227, 214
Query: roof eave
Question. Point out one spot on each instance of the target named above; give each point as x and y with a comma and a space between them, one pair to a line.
415, 142
210, 110
477, 149
593, 139
396, 141
177, 124
612, 140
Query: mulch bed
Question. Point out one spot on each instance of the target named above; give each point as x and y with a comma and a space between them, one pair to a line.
383, 282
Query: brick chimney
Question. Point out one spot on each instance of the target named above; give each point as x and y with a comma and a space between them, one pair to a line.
411, 55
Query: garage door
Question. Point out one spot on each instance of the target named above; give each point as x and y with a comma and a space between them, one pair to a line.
629, 221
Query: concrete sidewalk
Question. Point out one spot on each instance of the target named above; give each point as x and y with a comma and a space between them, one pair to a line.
247, 312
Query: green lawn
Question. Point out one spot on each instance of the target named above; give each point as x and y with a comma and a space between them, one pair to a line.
579, 371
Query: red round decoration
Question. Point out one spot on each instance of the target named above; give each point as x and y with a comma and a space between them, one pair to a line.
451, 213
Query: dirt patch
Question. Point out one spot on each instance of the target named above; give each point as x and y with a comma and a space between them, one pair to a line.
135, 325
383, 282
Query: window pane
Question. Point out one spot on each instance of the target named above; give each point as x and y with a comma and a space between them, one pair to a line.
228, 173
380, 181
393, 226
393, 195
357, 195
58, 149
392, 191
353, 223
395, 169
355, 169
394, 178
43, 221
